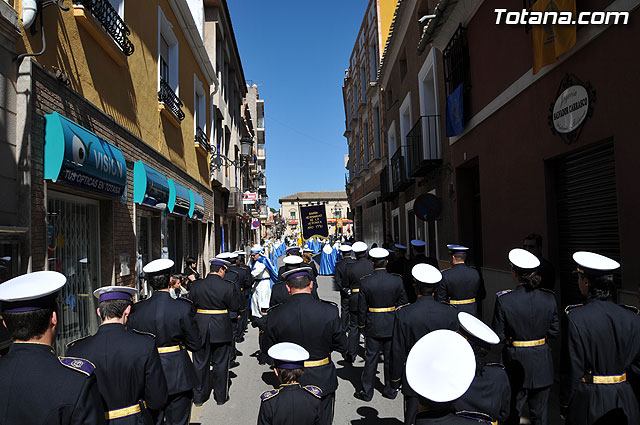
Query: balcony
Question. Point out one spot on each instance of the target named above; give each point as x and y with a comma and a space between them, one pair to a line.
262, 155
168, 98
399, 177
385, 185
423, 145
234, 206
201, 142
111, 23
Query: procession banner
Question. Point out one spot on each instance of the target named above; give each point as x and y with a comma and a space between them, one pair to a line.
314, 222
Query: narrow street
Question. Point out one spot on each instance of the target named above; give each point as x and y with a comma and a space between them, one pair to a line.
250, 379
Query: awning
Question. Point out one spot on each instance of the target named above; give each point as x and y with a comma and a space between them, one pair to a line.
179, 200
198, 206
76, 156
150, 186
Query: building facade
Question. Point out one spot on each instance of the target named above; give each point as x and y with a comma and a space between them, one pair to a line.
363, 121
337, 210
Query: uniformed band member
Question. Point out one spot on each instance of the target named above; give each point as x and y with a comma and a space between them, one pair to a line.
380, 294
315, 325
461, 286
339, 278
307, 256
361, 267
246, 295
292, 403
279, 292
533, 243
239, 279
440, 369
36, 387
214, 297
490, 392
603, 347
414, 321
128, 368
418, 250
172, 321
525, 319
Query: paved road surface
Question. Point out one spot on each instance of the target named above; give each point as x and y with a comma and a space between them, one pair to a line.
250, 379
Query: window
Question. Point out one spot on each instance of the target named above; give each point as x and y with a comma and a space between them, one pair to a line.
392, 139
167, 52
365, 142
376, 132
199, 107
363, 84
373, 62
403, 65
406, 120
292, 214
457, 67
118, 5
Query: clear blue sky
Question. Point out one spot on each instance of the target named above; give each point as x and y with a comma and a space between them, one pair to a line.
296, 51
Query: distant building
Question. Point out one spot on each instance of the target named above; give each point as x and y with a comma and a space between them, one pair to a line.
336, 207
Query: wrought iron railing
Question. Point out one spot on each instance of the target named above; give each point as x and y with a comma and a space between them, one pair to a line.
111, 22
201, 139
167, 96
399, 176
385, 186
423, 145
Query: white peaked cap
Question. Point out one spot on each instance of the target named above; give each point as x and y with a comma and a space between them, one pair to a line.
293, 259
378, 253
441, 366
131, 292
359, 247
31, 286
477, 328
157, 266
523, 259
426, 273
288, 352
345, 248
591, 260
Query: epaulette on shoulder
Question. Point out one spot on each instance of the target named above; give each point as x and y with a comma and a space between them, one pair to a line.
632, 308
500, 365
402, 306
72, 343
547, 290
396, 274
444, 270
475, 415
186, 300
501, 293
269, 394
329, 302
366, 275
78, 364
144, 333
313, 390
571, 307
275, 306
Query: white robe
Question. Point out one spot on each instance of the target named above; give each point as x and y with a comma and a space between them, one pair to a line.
262, 289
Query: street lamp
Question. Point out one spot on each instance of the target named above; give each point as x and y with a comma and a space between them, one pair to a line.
245, 146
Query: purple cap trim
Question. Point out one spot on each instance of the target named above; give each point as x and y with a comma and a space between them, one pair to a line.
298, 274
22, 309
215, 262
115, 296
288, 365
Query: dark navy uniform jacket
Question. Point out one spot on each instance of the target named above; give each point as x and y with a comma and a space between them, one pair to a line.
450, 418
314, 325
339, 275
236, 276
412, 322
361, 267
603, 339
527, 315
38, 388
291, 404
128, 369
380, 289
215, 293
461, 282
173, 323
279, 294
489, 393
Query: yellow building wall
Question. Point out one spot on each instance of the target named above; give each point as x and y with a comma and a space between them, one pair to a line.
128, 93
386, 9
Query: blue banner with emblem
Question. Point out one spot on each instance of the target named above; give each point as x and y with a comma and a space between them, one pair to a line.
455, 112
313, 219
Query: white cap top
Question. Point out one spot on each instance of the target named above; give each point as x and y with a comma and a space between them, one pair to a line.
477, 328
239, 252
227, 255
31, 286
591, 260
426, 273
293, 259
441, 366
523, 259
457, 248
378, 253
108, 289
345, 248
288, 352
157, 266
418, 242
359, 247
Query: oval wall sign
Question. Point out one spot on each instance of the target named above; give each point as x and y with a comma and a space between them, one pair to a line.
570, 109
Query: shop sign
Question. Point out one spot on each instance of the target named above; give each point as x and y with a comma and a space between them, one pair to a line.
75, 156
249, 198
573, 105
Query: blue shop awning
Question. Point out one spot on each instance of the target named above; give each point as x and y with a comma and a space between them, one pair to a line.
179, 201
76, 156
198, 211
150, 186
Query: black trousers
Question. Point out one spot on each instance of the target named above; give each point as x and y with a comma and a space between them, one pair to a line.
177, 411
372, 347
327, 405
344, 312
410, 409
218, 354
235, 324
538, 401
353, 336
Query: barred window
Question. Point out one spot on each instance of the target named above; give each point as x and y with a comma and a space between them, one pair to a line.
457, 67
